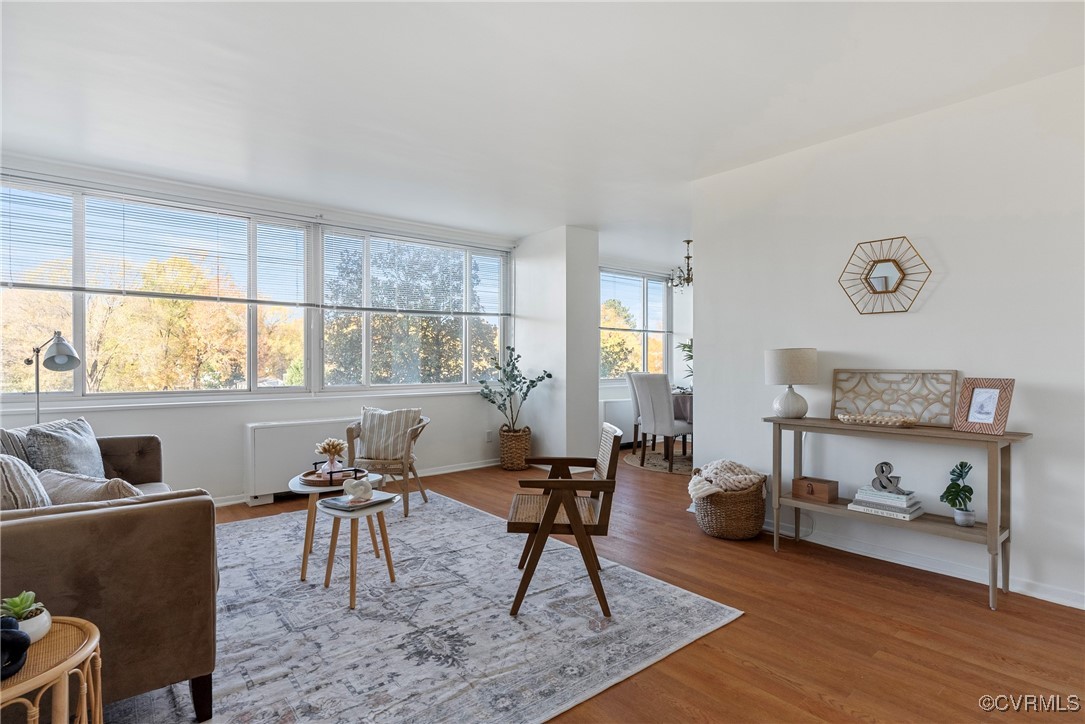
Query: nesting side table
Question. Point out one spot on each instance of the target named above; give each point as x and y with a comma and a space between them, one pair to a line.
368, 512
69, 649
297, 485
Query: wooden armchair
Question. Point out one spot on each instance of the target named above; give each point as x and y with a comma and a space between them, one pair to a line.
559, 510
403, 466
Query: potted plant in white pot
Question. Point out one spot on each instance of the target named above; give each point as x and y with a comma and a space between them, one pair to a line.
508, 390
958, 495
34, 620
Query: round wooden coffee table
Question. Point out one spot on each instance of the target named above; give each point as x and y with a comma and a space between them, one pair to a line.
299, 486
69, 649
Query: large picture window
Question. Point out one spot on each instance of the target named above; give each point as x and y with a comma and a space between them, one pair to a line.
161, 297
632, 324
428, 314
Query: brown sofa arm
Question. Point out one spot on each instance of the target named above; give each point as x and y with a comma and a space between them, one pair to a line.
135, 458
142, 569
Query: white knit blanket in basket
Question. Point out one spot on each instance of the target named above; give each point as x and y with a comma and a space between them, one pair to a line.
720, 476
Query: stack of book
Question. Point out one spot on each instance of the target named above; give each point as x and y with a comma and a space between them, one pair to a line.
902, 506
345, 502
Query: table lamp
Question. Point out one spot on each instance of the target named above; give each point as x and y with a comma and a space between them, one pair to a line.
791, 366
60, 356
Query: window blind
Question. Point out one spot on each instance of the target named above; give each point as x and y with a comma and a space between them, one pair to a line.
134, 246
36, 237
410, 277
280, 263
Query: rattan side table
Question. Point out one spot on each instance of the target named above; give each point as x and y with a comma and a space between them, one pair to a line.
70, 648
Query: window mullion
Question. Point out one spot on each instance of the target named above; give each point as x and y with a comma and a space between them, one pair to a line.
367, 319
468, 291
79, 299
252, 314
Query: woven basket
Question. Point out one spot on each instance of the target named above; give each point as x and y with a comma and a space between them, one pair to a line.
734, 515
515, 446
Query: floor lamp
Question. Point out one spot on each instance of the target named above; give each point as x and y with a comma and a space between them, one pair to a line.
60, 356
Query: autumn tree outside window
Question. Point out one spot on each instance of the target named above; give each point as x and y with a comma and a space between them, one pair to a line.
633, 324
167, 297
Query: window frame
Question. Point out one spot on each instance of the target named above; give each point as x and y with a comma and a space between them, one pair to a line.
667, 330
312, 305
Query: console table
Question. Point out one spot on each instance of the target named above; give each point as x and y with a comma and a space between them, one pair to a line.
995, 533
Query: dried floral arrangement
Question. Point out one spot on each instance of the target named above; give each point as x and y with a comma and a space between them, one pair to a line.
332, 447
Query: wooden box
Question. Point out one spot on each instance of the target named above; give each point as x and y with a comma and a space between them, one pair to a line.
819, 489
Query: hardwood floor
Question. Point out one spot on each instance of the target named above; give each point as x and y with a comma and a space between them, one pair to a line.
826, 635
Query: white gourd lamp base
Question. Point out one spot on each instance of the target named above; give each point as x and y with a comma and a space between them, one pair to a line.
790, 404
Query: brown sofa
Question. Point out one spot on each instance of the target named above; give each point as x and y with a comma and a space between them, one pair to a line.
141, 569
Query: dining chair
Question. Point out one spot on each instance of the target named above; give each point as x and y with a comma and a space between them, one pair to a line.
393, 453
559, 510
657, 414
636, 411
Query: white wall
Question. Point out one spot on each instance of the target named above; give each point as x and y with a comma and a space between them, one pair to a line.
203, 444
557, 329
682, 325
990, 191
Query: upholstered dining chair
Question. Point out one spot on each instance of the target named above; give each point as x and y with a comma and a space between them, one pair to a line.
384, 445
657, 414
636, 410
559, 510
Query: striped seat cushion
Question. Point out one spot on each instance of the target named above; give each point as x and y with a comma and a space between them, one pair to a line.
384, 432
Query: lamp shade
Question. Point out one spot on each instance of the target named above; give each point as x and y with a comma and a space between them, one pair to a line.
60, 355
791, 366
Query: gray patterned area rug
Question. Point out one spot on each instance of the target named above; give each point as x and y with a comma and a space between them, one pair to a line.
438, 645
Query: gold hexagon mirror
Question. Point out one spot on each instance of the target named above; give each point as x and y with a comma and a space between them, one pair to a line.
884, 275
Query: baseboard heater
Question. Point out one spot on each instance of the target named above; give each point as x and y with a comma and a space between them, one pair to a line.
277, 451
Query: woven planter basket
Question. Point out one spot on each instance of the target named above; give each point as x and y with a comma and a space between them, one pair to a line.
734, 515
515, 446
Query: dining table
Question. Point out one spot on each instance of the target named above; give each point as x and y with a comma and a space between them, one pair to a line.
683, 406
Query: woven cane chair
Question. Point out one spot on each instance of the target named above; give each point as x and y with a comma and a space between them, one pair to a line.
558, 510
402, 466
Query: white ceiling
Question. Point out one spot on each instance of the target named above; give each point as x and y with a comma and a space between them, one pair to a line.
500, 118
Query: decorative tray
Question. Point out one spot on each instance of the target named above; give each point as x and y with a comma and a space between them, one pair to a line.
879, 420
315, 477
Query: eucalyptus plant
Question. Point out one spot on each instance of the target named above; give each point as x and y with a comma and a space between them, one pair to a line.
508, 388
22, 606
958, 494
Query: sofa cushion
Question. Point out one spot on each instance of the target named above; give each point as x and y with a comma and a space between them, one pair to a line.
71, 448
20, 485
64, 487
384, 432
153, 488
13, 441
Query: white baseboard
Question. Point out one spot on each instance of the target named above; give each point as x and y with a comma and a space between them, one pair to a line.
1043, 591
229, 500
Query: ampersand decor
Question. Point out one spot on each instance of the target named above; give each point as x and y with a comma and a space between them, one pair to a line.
884, 481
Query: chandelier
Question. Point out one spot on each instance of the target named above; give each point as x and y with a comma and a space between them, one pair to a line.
683, 277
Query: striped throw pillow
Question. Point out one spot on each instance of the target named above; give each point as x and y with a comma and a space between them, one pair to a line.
20, 486
384, 432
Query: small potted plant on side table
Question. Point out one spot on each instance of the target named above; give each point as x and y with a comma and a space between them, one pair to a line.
508, 391
34, 620
958, 495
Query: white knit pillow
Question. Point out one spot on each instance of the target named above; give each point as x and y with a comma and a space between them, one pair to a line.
20, 485
66, 488
384, 432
